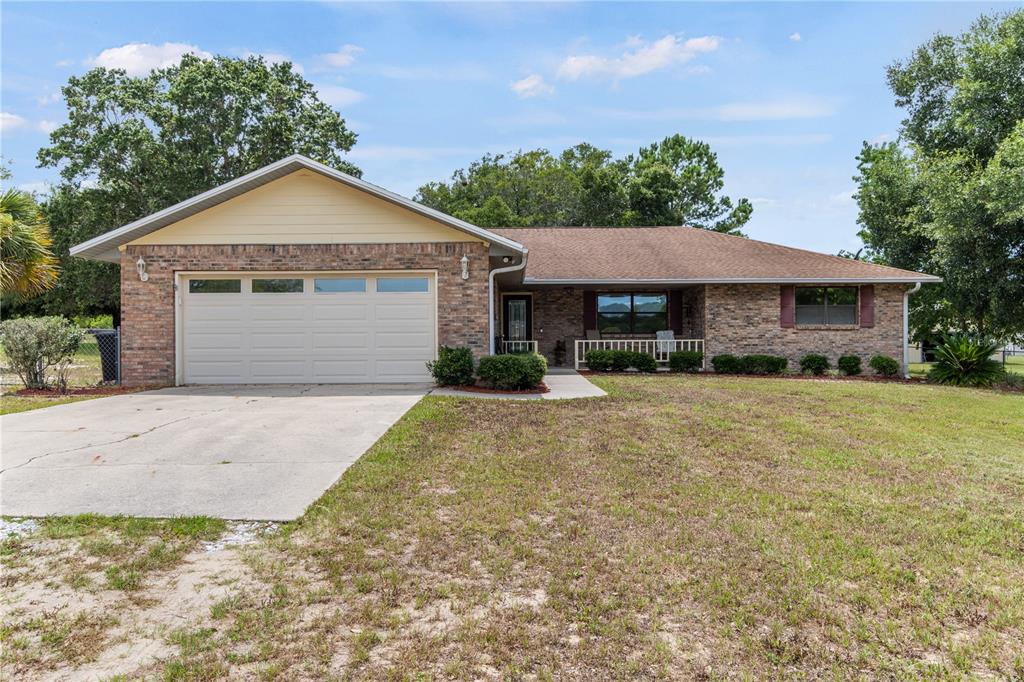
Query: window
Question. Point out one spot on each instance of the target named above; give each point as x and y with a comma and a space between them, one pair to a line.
403, 285
214, 286
338, 285
277, 286
632, 313
826, 305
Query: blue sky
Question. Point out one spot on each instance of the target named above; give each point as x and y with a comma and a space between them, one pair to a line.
785, 93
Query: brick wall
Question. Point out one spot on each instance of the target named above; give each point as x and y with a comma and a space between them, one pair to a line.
147, 308
744, 319
557, 316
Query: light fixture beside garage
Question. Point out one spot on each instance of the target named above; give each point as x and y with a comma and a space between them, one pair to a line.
140, 265
465, 266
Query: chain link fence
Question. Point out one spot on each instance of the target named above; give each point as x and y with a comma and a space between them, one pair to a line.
96, 363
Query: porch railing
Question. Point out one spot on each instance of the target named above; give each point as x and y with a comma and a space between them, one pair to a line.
659, 348
518, 346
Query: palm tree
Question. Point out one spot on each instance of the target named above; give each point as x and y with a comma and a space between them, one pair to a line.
27, 265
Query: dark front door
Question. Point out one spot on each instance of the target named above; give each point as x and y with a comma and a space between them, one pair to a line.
517, 318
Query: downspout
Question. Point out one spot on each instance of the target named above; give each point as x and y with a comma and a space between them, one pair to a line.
906, 328
490, 295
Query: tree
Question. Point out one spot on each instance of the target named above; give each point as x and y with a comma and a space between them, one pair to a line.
949, 197
673, 182
27, 265
135, 145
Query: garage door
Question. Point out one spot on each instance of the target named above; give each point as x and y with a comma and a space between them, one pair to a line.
298, 328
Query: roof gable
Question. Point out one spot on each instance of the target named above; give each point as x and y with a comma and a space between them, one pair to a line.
104, 247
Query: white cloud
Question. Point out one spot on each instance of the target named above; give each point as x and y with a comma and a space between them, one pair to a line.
640, 58
531, 86
47, 126
342, 58
9, 121
276, 58
49, 98
138, 59
339, 96
763, 202
781, 109
795, 37
844, 198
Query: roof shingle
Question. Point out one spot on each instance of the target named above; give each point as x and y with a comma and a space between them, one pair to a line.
607, 254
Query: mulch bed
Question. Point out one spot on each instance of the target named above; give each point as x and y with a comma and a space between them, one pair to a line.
78, 390
802, 377
541, 388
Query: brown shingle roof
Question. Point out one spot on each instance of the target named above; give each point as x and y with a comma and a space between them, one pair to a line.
605, 254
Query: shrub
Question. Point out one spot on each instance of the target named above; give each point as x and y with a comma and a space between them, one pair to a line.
885, 366
513, 372
620, 360
727, 364
814, 363
643, 362
35, 344
453, 367
685, 361
963, 361
763, 364
598, 360
849, 365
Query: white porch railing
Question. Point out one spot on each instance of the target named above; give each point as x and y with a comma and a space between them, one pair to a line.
518, 346
659, 348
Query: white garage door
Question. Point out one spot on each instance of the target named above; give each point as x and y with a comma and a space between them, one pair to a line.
298, 328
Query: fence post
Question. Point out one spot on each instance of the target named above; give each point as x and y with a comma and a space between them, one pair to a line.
117, 337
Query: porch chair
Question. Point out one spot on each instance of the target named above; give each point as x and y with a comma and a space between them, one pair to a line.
664, 343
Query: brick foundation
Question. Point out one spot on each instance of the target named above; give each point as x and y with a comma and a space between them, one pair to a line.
147, 308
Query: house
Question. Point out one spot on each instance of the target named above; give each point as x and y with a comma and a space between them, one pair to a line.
299, 273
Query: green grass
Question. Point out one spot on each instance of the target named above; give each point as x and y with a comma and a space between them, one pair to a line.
682, 527
11, 404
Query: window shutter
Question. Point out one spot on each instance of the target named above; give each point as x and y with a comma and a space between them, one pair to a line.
867, 305
589, 310
675, 311
787, 306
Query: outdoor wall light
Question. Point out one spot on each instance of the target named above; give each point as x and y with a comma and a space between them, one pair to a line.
465, 266
140, 265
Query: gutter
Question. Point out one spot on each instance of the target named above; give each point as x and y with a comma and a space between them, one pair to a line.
490, 295
906, 327
734, 280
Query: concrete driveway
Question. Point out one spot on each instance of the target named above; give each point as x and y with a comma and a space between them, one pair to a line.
236, 452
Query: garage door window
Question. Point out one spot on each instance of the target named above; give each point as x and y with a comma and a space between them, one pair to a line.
403, 285
277, 286
336, 285
214, 286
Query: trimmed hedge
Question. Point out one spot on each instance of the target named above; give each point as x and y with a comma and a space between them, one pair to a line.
885, 366
763, 364
727, 364
685, 361
814, 363
513, 372
849, 365
643, 362
619, 361
453, 367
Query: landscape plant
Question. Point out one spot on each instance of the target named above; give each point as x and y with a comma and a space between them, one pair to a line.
763, 364
963, 361
813, 363
512, 372
727, 364
453, 367
685, 361
33, 345
849, 365
884, 365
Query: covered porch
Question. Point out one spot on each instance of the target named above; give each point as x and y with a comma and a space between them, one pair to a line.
563, 323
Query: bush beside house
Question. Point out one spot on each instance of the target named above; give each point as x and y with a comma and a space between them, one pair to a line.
685, 361
884, 366
35, 345
620, 361
453, 367
511, 372
813, 363
849, 365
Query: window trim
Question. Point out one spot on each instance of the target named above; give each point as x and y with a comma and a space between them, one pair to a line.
300, 280
632, 313
825, 306
192, 291
378, 280
335, 279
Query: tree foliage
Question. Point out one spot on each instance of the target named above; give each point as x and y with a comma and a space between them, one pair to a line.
949, 199
27, 264
677, 181
135, 145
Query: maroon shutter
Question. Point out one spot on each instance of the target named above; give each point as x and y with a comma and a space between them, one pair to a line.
787, 306
867, 305
589, 310
675, 311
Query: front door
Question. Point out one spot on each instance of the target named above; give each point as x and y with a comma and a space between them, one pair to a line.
517, 318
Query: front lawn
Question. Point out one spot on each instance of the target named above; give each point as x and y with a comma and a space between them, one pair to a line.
682, 527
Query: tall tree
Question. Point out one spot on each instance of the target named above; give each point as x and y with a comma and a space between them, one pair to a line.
948, 198
677, 181
134, 145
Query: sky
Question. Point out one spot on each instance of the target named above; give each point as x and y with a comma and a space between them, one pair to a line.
785, 93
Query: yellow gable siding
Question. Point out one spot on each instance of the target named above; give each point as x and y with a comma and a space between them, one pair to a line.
305, 208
